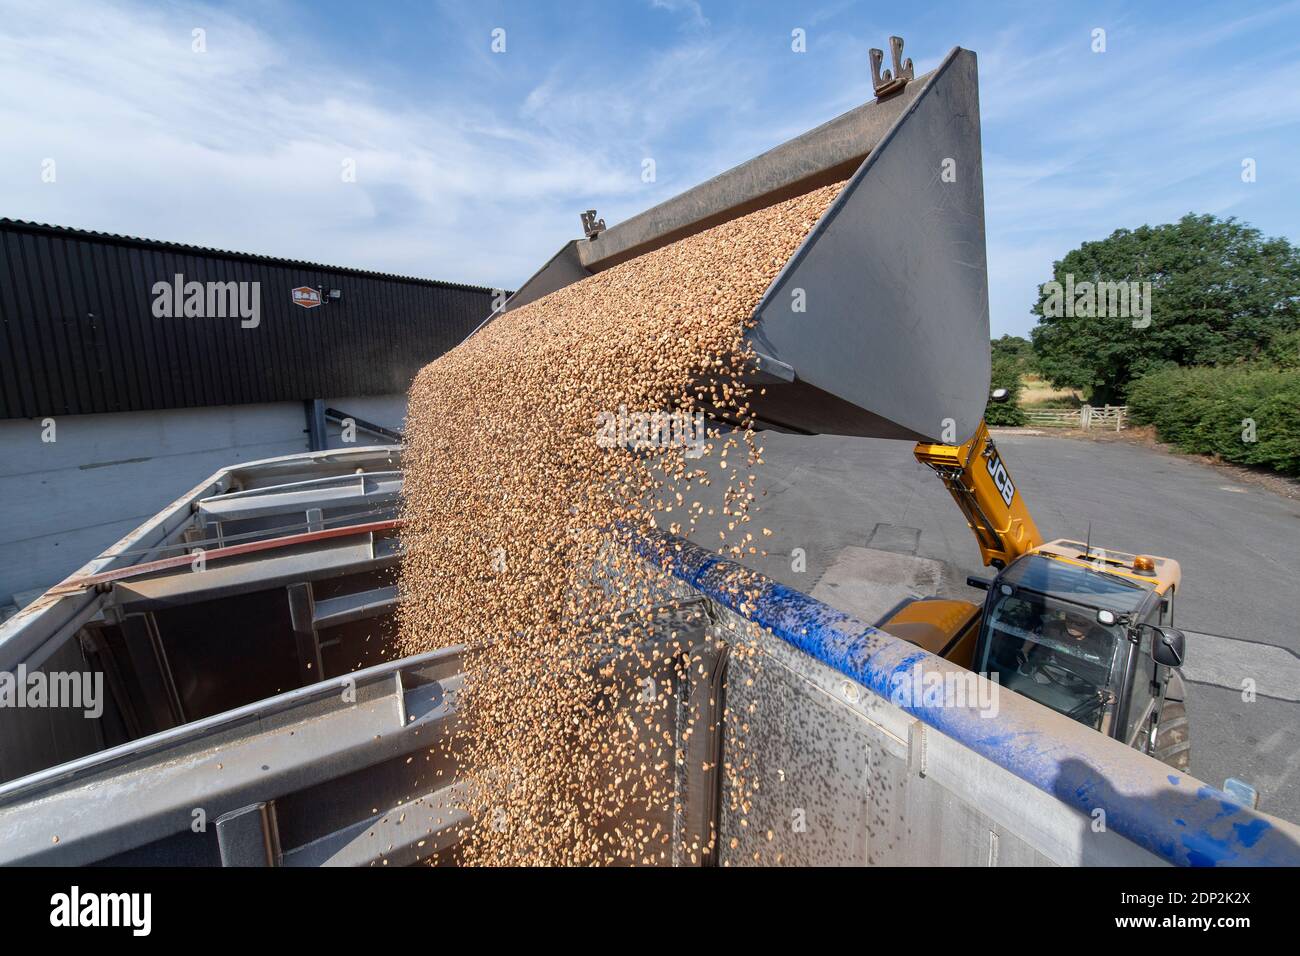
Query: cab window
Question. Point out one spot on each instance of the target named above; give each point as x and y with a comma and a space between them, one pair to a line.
1052, 651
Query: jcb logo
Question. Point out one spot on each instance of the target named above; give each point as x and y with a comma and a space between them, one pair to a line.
1001, 479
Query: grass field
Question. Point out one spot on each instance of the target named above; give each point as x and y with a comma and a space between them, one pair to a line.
1038, 392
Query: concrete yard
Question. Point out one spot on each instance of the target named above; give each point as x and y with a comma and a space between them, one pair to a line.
1239, 546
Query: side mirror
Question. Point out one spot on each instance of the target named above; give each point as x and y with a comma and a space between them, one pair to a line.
999, 395
1168, 647
982, 584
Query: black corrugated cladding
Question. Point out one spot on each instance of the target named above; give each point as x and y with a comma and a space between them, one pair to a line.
78, 332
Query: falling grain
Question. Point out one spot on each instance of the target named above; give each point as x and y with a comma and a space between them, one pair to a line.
518, 522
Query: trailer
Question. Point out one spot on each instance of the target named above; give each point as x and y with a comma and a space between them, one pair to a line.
254, 713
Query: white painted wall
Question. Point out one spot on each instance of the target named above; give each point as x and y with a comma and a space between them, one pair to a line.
63, 502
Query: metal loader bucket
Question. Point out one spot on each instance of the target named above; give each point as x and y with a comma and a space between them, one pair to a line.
878, 325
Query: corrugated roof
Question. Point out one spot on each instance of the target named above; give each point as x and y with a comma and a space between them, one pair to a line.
119, 239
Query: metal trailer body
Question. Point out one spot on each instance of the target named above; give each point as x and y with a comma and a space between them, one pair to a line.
192, 761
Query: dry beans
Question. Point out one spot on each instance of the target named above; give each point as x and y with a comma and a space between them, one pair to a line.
511, 504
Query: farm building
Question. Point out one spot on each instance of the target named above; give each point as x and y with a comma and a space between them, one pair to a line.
131, 369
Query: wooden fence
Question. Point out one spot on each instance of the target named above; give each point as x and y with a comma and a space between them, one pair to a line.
1112, 417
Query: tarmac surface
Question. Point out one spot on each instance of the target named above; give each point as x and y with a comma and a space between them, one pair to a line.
832, 503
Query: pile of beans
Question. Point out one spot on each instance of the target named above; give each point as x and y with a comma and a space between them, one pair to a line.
516, 513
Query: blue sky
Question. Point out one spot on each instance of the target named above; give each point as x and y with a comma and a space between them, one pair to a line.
473, 165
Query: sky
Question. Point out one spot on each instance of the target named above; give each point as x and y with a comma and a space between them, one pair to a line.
391, 136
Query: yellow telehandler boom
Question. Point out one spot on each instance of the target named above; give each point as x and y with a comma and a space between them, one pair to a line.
977, 478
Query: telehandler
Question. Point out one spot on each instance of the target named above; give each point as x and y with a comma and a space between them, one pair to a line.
1085, 631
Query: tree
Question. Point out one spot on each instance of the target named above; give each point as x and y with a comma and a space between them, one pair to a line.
1218, 292
1017, 349
1005, 374
1284, 350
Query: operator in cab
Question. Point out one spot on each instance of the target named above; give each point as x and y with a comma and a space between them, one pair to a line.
1088, 636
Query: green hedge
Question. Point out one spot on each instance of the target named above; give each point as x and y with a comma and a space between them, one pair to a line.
1209, 410
1005, 374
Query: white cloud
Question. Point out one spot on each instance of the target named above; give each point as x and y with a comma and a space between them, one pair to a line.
1077, 144
235, 148
692, 12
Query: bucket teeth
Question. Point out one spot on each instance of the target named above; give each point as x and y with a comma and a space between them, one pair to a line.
891, 81
591, 226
